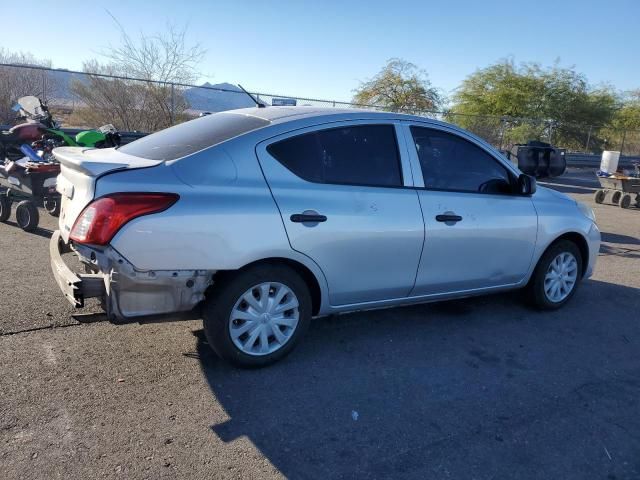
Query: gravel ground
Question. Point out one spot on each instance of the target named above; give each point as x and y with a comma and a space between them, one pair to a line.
477, 388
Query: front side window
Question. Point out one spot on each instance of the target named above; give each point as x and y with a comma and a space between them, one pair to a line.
450, 162
354, 155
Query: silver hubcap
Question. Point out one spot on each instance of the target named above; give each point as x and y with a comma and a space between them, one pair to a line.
264, 318
561, 277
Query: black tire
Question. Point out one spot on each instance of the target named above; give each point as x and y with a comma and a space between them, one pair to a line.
5, 208
27, 216
615, 197
535, 288
229, 290
52, 206
599, 196
625, 201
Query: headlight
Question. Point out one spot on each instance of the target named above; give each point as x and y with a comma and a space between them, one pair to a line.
587, 211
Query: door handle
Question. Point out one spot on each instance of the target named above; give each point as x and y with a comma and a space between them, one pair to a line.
308, 218
448, 218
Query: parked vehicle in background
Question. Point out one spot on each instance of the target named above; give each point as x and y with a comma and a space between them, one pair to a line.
269, 216
28, 169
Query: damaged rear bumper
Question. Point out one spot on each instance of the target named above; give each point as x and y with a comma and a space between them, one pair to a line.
125, 291
75, 287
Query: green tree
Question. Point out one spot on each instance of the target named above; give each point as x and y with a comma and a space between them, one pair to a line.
399, 86
624, 131
560, 99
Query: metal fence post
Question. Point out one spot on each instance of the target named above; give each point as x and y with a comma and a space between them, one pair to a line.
586, 147
502, 128
173, 104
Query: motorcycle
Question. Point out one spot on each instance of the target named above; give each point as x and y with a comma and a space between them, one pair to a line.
28, 169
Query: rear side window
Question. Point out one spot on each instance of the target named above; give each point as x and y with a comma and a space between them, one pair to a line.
355, 155
192, 136
449, 162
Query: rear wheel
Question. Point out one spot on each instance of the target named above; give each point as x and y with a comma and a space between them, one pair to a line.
5, 208
27, 216
557, 275
599, 196
257, 316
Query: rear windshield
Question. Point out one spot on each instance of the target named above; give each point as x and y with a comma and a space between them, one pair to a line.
192, 136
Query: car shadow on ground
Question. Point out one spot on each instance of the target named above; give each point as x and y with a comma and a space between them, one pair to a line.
618, 238
617, 251
479, 388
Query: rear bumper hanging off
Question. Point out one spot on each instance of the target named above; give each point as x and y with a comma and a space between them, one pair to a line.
127, 292
75, 287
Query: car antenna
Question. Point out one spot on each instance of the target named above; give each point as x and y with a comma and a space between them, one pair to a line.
255, 100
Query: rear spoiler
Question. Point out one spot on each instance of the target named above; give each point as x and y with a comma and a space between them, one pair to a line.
97, 161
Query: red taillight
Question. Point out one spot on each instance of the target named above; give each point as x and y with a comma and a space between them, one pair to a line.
101, 219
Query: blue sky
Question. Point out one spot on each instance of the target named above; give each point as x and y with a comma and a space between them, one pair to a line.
323, 49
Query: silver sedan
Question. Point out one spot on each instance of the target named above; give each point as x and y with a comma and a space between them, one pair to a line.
269, 216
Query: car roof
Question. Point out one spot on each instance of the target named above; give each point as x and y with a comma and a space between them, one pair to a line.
277, 115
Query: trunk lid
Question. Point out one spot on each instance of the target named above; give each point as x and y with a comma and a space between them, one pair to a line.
79, 169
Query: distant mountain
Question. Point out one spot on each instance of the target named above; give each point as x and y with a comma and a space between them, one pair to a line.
208, 100
204, 99
59, 84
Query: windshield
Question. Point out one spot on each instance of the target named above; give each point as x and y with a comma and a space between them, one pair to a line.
192, 136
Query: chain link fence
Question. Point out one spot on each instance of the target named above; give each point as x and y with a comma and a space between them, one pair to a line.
86, 100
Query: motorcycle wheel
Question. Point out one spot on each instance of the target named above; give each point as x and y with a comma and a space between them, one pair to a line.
52, 206
27, 216
5, 208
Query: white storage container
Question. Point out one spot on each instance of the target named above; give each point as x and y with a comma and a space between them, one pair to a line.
609, 162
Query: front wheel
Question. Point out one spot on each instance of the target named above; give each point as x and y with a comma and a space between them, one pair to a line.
256, 317
599, 196
556, 277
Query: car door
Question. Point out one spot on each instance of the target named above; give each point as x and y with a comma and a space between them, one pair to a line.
346, 202
478, 233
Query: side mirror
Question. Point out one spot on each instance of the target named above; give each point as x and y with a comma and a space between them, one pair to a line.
526, 185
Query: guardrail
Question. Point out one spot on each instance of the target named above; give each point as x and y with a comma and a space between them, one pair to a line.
593, 160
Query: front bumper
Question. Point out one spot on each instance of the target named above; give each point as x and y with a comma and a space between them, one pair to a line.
593, 239
126, 292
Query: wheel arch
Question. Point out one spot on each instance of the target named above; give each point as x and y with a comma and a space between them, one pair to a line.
309, 277
579, 240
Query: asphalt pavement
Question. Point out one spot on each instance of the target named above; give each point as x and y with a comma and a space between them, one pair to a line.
482, 388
